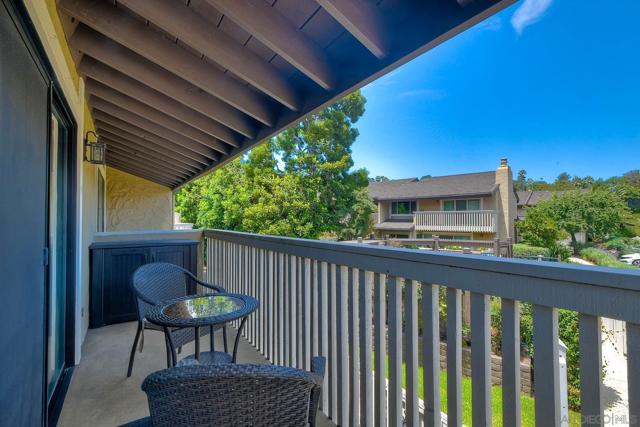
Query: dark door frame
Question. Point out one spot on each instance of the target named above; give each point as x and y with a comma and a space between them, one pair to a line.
54, 405
24, 25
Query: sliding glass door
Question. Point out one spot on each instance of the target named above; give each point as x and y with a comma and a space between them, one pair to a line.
57, 277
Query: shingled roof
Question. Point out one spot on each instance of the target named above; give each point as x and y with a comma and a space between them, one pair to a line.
470, 184
532, 198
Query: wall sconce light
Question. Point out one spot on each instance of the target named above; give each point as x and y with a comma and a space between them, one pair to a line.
94, 150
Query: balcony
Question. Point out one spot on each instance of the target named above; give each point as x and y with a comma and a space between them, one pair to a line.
102, 396
483, 221
347, 302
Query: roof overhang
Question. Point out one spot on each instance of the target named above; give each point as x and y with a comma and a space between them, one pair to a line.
436, 197
180, 88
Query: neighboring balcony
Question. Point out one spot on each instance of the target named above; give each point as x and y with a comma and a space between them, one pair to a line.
458, 221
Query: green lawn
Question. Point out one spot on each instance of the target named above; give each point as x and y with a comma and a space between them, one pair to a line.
528, 410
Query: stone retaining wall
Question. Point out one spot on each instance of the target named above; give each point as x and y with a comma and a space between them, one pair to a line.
526, 381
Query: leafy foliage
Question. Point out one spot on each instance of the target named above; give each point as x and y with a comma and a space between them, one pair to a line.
538, 227
521, 250
567, 327
299, 184
603, 258
599, 212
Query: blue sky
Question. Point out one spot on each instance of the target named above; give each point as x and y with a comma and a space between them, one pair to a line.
554, 85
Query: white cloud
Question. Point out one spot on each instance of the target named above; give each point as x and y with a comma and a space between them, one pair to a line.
431, 94
528, 13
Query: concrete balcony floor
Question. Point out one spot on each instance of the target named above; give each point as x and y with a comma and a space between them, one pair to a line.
101, 395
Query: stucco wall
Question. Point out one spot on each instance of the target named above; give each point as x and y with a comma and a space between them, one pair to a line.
383, 211
429, 205
89, 228
137, 204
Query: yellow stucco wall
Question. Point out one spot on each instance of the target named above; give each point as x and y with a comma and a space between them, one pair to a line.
428, 205
137, 204
383, 211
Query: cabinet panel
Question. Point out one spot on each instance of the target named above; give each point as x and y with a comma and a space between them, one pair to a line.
118, 297
171, 254
112, 268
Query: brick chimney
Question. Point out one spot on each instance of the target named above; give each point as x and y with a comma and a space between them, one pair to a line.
506, 201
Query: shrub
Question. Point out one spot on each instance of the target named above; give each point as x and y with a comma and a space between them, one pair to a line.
633, 247
568, 332
618, 243
602, 258
521, 250
562, 251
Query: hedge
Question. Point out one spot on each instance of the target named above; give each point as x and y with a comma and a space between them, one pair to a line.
522, 250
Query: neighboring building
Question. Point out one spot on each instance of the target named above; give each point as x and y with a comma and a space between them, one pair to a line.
474, 206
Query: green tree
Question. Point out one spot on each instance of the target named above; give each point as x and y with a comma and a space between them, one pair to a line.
632, 177
604, 212
599, 213
299, 184
568, 212
585, 182
521, 182
539, 229
563, 182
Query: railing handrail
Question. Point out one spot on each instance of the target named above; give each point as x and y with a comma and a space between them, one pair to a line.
593, 290
455, 212
347, 301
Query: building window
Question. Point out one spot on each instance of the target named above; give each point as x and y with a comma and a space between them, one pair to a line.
461, 205
406, 207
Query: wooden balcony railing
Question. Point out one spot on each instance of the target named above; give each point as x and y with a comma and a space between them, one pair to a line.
458, 221
348, 302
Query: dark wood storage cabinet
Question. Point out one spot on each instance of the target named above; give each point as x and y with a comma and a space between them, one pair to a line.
112, 267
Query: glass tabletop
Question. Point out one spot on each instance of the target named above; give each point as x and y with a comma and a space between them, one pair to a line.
203, 307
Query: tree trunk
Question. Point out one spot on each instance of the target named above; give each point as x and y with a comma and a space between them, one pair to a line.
574, 242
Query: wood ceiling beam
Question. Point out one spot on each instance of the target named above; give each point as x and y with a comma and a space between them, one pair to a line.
180, 20
362, 19
147, 162
146, 154
100, 72
143, 136
128, 31
106, 93
149, 169
273, 29
127, 62
148, 125
142, 172
160, 152
128, 169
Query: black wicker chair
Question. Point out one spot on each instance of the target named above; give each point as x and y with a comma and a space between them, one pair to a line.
233, 395
157, 282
